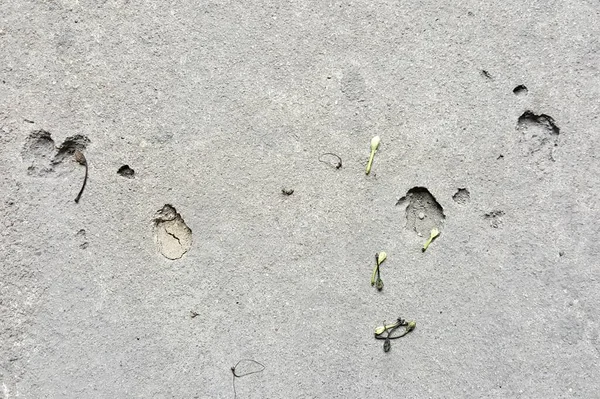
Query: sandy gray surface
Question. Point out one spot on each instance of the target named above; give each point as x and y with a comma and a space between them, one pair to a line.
219, 105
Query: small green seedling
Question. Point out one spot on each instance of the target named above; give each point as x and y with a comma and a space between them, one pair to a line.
389, 329
381, 329
434, 233
375, 276
374, 146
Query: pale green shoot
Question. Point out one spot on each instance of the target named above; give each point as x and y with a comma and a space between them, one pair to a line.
408, 326
381, 329
380, 257
374, 146
434, 233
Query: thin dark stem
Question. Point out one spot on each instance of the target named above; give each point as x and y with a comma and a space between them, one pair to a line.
233, 383
79, 157
339, 163
235, 375
378, 281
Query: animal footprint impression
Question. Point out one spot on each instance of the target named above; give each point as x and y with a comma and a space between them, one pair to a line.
173, 237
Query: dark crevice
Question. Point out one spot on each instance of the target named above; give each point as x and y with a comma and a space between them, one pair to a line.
126, 171
529, 118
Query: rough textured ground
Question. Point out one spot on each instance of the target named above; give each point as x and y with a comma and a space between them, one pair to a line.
215, 107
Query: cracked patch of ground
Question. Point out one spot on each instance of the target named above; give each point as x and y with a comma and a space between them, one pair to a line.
37, 152
353, 86
495, 218
43, 156
462, 196
69, 146
423, 212
173, 237
539, 133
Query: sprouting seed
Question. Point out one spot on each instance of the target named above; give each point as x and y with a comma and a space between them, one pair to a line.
381, 257
388, 330
434, 233
374, 146
381, 329
375, 276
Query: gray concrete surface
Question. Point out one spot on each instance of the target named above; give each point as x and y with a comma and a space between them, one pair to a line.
218, 105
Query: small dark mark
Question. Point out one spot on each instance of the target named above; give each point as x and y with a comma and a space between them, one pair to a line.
80, 158
28, 120
126, 171
561, 253
138, 338
486, 74
259, 369
462, 196
194, 314
387, 345
500, 156
331, 162
470, 14
520, 90
174, 236
495, 218
287, 191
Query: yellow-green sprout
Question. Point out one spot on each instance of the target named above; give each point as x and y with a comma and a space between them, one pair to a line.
411, 326
374, 146
434, 233
381, 329
379, 258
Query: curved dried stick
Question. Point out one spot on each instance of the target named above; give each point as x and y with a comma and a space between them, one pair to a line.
80, 158
339, 163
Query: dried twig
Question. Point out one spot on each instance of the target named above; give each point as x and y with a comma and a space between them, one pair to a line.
80, 158
337, 165
259, 368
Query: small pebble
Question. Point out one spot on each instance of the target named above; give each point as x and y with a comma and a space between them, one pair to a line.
421, 215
